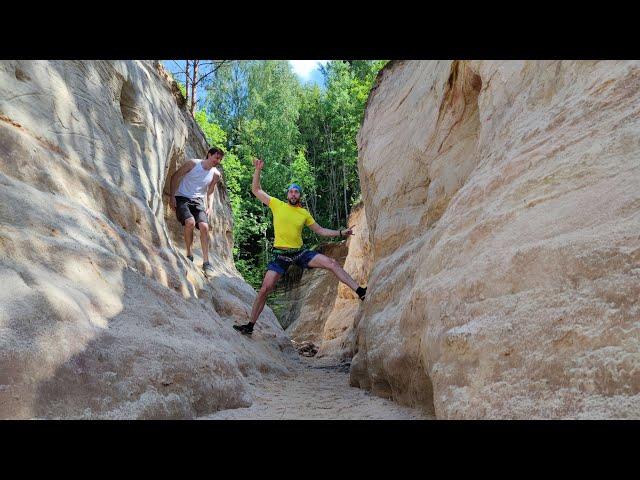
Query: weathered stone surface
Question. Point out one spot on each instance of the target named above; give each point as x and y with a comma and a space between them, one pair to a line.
506, 242
101, 315
338, 337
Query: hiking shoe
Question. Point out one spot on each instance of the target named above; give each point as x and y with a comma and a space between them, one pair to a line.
246, 329
190, 257
208, 268
361, 292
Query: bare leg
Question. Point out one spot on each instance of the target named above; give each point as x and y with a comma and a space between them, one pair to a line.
268, 284
204, 240
189, 225
322, 261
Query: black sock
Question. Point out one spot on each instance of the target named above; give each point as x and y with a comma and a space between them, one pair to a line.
250, 326
361, 292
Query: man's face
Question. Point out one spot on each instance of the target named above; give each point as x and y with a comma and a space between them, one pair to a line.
293, 195
215, 158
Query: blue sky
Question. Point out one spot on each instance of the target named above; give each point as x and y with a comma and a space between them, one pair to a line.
308, 71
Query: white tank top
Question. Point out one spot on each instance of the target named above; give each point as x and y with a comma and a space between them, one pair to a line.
196, 182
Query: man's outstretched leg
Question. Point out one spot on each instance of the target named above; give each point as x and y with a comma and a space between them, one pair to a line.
328, 263
268, 285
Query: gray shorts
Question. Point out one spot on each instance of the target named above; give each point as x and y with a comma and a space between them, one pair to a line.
191, 207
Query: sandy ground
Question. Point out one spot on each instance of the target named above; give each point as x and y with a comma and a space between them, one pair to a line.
316, 391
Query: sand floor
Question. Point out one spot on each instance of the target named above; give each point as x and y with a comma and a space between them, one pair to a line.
316, 390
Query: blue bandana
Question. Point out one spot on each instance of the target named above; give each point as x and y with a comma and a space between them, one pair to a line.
296, 186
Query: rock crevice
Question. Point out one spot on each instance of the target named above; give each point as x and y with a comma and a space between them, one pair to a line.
320, 309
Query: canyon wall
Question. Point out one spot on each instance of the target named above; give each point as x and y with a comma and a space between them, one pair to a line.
503, 206
338, 330
101, 314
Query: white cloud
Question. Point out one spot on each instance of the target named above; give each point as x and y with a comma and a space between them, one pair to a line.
304, 68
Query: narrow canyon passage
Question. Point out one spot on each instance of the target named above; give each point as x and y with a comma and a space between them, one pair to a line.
495, 227
317, 389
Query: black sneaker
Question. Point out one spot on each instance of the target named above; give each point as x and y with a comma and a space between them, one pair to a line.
246, 329
190, 257
361, 292
207, 268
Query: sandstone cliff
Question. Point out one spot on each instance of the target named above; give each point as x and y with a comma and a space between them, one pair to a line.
338, 333
506, 243
101, 315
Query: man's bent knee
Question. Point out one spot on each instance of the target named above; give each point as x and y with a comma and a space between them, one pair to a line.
204, 227
190, 223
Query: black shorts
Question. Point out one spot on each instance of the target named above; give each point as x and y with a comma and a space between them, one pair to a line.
187, 208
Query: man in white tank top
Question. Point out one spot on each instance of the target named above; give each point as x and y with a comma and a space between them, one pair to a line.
192, 187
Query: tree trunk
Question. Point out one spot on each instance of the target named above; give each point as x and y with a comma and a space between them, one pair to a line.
334, 189
344, 189
186, 80
313, 166
344, 186
194, 86
330, 196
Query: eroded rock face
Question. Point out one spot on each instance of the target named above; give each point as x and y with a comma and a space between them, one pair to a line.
506, 242
338, 331
101, 315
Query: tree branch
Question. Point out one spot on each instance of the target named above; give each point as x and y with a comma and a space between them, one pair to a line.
202, 77
213, 70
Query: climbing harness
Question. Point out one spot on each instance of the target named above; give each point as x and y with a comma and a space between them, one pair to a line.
288, 256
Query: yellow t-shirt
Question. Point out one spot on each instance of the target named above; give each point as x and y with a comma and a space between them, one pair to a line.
288, 223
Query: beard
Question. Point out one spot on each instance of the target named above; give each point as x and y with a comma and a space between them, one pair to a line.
294, 201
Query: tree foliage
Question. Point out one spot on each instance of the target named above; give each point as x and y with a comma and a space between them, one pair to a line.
306, 134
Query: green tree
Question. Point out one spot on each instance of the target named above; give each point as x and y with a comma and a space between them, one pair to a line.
304, 133
227, 98
214, 134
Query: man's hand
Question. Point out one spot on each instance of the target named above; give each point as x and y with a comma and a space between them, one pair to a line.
207, 211
172, 202
348, 231
258, 164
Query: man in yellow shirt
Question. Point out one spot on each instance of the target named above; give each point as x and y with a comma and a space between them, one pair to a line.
288, 221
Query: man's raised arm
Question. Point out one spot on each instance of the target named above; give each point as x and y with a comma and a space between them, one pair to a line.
255, 184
